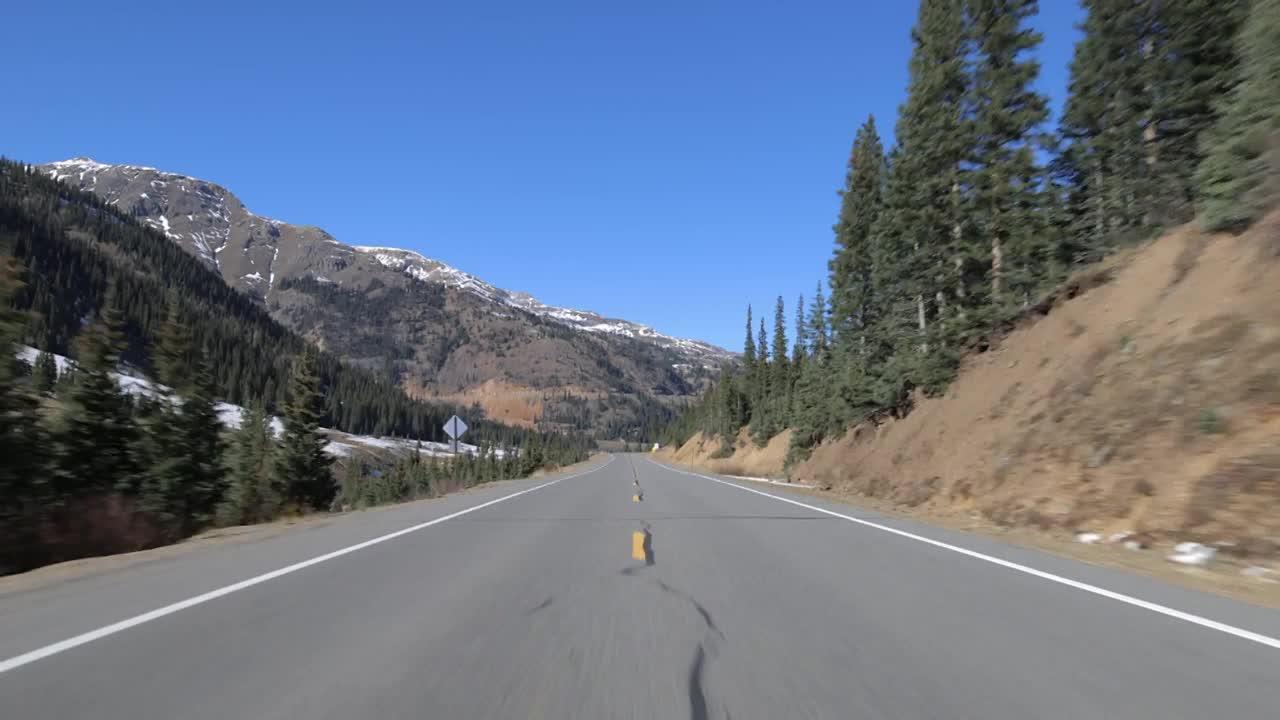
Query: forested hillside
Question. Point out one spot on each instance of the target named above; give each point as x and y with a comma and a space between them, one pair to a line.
72, 247
91, 469
977, 216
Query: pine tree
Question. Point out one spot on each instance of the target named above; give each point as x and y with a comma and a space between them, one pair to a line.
800, 348
355, 477
1196, 64
98, 443
855, 307
812, 416
781, 348
199, 426
750, 369
762, 408
860, 203
880, 374
818, 333
186, 478
1240, 176
44, 374
763, 371
1085, 167
780, 380
252, 493
1006, 180
24, 490
1145, 80
302, 466
172, 357
66, 381
926, 262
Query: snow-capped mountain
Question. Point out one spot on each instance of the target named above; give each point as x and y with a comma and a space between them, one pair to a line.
428, 270
438, 329
246, 248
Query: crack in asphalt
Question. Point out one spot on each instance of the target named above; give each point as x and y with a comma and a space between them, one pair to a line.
649, 556
707, 650
697, 694
702, 610
543, 606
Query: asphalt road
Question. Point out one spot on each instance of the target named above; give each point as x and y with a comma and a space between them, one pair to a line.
574, 600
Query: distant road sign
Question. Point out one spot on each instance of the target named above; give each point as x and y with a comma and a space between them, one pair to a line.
454, 427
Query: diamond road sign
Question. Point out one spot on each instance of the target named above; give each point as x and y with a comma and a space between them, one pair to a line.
454, 427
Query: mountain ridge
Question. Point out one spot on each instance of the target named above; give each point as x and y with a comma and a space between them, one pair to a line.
389, 256
432, 328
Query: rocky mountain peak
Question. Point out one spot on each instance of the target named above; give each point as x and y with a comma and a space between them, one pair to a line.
439, 329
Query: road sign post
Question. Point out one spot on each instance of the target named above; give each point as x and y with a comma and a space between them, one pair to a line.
454, 428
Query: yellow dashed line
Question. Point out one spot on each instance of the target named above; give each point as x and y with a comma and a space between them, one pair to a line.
637, 546
635, 498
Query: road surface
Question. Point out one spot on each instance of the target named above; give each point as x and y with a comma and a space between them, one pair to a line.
588, 596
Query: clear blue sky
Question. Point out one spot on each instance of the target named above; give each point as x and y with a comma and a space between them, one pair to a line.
664, 162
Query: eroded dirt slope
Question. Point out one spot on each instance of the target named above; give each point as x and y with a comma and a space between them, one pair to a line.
745, 458
1149, 402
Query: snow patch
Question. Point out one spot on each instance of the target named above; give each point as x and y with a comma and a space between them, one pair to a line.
272, 282
338, 449
168, 232
1258, 572
375, 249
28, 354
407, 262
1191, 553
232, 416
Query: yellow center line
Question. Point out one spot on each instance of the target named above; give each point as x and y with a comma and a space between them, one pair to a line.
637, 546
635, 498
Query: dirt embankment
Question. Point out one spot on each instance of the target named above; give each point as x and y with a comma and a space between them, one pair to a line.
501, 401
745, 460
1146, 401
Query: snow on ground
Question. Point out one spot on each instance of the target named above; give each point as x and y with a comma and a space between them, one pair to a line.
29, 354
232, 416
229, 415
436, 449
338, 449
1193, 553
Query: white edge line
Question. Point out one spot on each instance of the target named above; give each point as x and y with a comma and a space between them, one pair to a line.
783, 483
1120, 597
88, 637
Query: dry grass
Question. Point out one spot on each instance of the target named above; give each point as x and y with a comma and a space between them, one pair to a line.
744, 459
